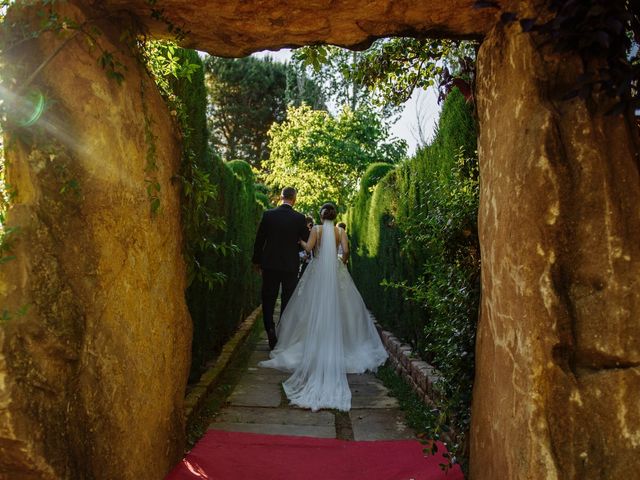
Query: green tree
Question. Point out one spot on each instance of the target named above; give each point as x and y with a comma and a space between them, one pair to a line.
302, 89
246, 95
395, 67
323, 157
332, 68
386, 74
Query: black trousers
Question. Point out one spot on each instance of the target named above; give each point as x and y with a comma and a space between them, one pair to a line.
271, 282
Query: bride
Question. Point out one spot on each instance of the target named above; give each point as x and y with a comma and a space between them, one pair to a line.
325, 331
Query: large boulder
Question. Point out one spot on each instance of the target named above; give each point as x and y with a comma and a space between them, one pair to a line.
237, 28
558, 346
95, 355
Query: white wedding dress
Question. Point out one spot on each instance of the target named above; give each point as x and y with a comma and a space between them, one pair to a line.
324, 333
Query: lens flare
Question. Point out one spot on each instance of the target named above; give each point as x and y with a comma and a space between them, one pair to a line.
32, 108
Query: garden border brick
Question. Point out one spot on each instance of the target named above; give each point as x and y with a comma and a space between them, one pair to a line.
418, 374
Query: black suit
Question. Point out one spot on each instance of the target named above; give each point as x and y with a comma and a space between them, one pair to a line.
276, 251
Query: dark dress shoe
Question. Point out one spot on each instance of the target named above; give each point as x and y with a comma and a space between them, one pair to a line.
271, 334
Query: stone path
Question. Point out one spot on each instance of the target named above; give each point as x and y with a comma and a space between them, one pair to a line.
258, 404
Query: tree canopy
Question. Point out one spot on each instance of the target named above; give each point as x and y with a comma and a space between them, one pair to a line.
387, 73
332, 69
246, 95
323, 157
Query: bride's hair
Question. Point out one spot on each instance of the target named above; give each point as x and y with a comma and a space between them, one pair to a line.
328, 211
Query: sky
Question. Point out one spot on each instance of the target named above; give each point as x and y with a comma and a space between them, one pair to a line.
421, 109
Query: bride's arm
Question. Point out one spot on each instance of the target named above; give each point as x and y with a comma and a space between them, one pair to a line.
308, 245
344, 241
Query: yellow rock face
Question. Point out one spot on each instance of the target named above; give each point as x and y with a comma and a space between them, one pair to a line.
92, 377
237, 28
557, 345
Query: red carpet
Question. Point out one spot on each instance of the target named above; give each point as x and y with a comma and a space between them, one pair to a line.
223, 455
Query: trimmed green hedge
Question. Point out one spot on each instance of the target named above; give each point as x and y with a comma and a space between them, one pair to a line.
217, 312
242, 169
416, 255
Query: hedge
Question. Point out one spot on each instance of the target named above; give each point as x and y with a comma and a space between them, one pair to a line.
415, 251
217, 312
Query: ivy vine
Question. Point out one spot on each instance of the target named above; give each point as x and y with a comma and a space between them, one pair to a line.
169, 65
163, 63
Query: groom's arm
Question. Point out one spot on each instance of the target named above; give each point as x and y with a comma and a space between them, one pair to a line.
303, 230
258, 246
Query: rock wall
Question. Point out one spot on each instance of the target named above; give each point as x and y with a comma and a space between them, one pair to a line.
558, 346
237, 28
92, 376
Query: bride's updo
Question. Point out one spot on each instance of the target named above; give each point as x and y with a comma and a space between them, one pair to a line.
328, 211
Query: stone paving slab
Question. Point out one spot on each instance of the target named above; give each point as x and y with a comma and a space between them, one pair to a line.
265, 375
278, 429
371, 395
258, 356
258, 405
372, 388
380, 424
274, 416
256, 394
373, 401
361, 379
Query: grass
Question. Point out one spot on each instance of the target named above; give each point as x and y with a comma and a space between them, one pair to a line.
428, 422
420, 417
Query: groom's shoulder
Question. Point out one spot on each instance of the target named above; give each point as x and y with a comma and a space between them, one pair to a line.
284, 211
298, 217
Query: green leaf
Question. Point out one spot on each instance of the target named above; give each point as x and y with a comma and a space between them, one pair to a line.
155, 205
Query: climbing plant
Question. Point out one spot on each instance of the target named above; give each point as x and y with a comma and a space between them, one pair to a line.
26, 105
220, 209
21, 23
179, 76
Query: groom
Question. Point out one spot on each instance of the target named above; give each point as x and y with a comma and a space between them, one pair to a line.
275, 253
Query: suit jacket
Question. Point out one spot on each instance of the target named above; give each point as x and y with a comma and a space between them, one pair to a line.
276, 246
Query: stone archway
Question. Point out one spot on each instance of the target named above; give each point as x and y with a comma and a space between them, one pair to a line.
558, 362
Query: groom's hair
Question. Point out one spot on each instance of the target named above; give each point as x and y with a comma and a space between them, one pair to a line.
288, 193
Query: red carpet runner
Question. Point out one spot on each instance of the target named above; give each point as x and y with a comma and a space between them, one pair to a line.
223, 455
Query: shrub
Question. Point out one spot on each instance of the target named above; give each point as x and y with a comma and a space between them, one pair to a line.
261, 188
263, 200
216, 313
416, 254
242, 169
374, 174
220, 215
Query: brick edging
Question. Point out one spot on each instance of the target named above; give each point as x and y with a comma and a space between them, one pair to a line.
418, 374
209, 379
